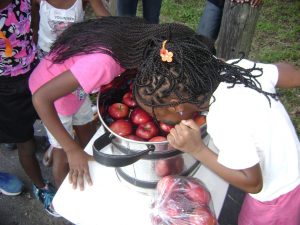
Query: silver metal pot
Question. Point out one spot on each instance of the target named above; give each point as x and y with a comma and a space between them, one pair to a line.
140, 163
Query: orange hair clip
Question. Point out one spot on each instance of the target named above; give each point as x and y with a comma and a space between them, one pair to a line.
165, 55
8, 47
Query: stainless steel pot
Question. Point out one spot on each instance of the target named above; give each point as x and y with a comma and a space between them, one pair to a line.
140, 163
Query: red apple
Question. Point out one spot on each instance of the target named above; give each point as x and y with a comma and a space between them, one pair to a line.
121, 127
165, 127
139, 116
165, 184
106, 87
156, 220
134, 137
118, 110
158, 139
172, 166
129, 100
197, 193
147, 130
202, 216
200, 120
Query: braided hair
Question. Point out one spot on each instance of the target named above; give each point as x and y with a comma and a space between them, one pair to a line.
123, 38
192, 76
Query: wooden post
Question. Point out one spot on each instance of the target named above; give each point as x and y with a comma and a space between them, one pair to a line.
237, 29
111, 5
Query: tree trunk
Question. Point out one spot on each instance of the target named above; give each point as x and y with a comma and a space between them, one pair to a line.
237, 29
111, 5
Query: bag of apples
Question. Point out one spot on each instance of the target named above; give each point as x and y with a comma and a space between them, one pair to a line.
182, 201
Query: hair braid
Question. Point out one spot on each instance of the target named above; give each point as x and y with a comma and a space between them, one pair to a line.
123, 38
192, 76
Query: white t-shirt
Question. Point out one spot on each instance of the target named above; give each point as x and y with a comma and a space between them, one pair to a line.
54, 21
247, 131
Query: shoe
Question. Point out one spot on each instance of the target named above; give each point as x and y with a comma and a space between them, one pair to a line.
10, 185
9, 146
46, 195
48, 157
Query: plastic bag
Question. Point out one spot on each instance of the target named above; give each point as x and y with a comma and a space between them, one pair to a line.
182, 201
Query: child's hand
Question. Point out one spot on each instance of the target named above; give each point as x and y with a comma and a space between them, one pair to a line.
79, 170
186, 137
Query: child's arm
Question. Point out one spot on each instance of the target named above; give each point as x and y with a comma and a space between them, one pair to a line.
99, 8
288, 76
43, 100
249, 180
35, 19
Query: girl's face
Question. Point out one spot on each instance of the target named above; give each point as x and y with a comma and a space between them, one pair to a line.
172, 115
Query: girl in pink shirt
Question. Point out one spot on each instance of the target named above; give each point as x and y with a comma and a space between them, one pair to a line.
86, 56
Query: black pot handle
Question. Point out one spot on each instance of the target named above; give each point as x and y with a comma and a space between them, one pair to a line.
115, 160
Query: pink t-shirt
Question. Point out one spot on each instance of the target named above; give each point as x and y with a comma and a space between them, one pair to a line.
92, 71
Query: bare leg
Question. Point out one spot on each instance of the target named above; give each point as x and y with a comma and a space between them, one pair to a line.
85, 133
60, 166
29, 162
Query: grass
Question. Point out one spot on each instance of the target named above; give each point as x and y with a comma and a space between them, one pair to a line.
277, 37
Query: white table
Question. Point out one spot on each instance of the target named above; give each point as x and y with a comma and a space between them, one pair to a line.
109, 202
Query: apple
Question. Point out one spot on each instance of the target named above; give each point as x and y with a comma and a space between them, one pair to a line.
165, 184
197, 193
139, 116
171, 166
200, 120
202, 216
175, 205
165, 127
156, 220
147, 130
134, 137
129, 100
121, 127
158, 139
106, 87
118, 110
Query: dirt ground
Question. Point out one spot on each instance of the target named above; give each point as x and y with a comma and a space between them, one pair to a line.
25, 209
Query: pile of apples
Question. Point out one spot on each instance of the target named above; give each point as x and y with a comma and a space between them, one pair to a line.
125, 118
132, 122
182, 201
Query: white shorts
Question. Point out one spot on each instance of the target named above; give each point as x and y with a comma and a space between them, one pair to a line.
83, 116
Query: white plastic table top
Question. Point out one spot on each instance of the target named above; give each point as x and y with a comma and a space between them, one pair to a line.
110, 202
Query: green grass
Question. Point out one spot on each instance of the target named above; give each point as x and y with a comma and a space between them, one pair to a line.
277, 37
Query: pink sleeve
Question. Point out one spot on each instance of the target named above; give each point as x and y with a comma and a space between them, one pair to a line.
94, 70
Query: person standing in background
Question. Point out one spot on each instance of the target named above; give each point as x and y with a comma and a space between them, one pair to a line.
210, 22
151, 9
17, 115
52, 17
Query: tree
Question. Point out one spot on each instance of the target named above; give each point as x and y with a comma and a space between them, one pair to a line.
111, 5
237, 29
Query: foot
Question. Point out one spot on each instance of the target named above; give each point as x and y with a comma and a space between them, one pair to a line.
46, 195
10, 185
